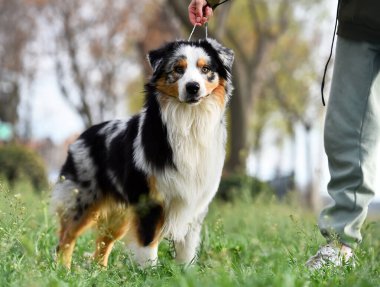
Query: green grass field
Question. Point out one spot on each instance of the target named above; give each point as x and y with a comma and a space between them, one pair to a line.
248, 243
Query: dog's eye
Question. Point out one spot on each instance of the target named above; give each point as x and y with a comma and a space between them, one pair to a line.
205, 69
179, 70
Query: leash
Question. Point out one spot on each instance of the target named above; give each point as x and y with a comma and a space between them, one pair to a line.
212, 4
330, 56
195, 26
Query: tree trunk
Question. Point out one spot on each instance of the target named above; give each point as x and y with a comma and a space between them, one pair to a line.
312, 193
238, 130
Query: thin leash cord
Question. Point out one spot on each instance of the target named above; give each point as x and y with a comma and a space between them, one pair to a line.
330, 56
206, 24
195, 26
192, 32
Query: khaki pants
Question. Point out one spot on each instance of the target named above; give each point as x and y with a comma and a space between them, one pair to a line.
352, 133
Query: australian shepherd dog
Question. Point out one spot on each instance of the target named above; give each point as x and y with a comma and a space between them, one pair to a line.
154, 175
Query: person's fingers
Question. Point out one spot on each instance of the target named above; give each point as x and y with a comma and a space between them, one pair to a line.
208, 11
199, 10
195, 10
192, 19
192, 16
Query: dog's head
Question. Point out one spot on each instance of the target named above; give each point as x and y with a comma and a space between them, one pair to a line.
192, 71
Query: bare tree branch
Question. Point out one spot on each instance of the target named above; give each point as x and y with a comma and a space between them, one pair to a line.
256, 25
221, 20
93, 42
180, 9
237, 47
84, 109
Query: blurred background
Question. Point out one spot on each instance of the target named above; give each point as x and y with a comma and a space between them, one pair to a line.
66, 65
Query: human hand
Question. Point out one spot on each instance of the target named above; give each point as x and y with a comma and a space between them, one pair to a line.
199, 12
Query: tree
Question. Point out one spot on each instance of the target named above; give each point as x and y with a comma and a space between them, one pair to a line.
158, 28
252, 29
92, 39
15, 36
298, 100
291, 91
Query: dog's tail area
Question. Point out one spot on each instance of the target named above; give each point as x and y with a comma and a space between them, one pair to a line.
64, 198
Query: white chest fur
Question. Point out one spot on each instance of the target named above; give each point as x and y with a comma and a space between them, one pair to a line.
197, 135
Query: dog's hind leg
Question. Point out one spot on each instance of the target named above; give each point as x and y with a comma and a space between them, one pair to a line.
71, 229
111, 227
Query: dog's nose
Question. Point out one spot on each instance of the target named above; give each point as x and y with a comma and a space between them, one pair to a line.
192, 88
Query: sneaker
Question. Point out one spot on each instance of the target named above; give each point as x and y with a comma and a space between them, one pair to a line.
330, 255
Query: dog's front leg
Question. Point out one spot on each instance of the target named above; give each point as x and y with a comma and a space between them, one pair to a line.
144, 256
186, 249
145, 234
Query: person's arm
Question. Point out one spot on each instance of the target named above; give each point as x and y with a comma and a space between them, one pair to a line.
199, 12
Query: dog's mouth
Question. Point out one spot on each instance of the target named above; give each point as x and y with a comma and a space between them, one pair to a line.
193, 101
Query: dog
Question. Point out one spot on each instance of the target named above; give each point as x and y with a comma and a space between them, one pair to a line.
154, 175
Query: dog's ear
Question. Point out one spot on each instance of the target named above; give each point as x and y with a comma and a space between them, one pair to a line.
225, 54
156, 57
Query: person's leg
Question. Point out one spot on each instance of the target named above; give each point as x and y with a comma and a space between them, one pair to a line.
352, 131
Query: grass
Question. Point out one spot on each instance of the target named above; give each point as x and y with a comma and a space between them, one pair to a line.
250, 243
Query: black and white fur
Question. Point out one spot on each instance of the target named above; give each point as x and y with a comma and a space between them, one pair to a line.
154, 175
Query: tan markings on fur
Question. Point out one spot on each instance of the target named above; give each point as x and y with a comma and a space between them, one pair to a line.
201, 63
181, 63
163, 100
71, 230
158, 232
152, 182
133, 234
210, 86
170, 89
166, 88
112, 219
219, 92
154, 194
113, 223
